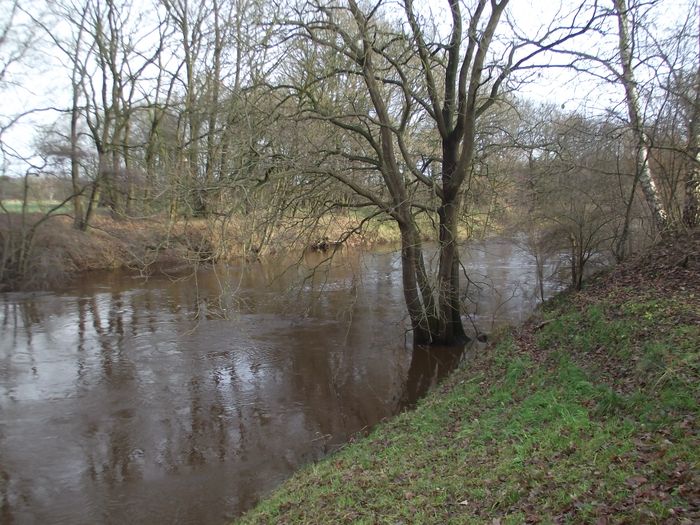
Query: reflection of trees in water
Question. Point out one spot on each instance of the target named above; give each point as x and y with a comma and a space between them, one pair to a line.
113, 459
220, 416
116, 366
488, 303
82, 305
116, 317
197, 426
20, 318
505, 281
429, 364
12, 489
263, 392
31, 314
5, 509
14, 492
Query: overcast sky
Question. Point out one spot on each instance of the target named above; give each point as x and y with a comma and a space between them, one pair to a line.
43, 81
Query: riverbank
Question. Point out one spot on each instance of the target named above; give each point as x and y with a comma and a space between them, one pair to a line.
587, 414
56, 252
41, 250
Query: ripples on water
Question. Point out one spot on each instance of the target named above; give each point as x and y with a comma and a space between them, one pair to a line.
184, 401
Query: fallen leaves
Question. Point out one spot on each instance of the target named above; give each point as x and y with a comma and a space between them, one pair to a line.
635, 481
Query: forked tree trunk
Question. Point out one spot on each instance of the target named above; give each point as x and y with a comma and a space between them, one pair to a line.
77, 79
92, 204
434, 308
410, 262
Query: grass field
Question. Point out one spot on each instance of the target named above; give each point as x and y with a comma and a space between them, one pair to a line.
15, 206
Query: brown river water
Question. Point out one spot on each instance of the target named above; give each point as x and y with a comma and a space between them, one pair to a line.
186, 400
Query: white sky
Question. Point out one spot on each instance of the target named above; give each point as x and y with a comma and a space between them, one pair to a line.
43, 80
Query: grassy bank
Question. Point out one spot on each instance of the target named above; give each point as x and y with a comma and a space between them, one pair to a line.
588, 414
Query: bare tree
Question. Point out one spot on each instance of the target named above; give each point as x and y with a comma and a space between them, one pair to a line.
75, 49
579, 180
16, 38
679, 113
419, 78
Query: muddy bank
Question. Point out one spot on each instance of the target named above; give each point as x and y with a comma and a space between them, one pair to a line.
57, 253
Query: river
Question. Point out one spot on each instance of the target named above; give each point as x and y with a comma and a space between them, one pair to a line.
186, 399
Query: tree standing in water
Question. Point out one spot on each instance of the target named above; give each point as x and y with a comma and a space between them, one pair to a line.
408, 97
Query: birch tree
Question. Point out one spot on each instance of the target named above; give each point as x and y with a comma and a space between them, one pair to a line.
691, 208
632, 99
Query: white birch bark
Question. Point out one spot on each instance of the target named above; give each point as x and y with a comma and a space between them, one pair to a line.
646, 181
691, 205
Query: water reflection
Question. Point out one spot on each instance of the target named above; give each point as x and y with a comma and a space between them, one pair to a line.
185, 401
428, 366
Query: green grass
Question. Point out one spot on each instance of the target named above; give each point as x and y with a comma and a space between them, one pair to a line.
15, 206
592, 417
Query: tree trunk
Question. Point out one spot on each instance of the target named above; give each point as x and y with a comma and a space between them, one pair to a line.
92, 203
450, 329
620, 249
77, 79
643, 171
97, 186
128, 174
410, 261
78, 213
691, 206
114, 197
574, 261
213, 109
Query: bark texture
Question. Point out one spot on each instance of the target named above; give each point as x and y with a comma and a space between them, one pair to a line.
643, 170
